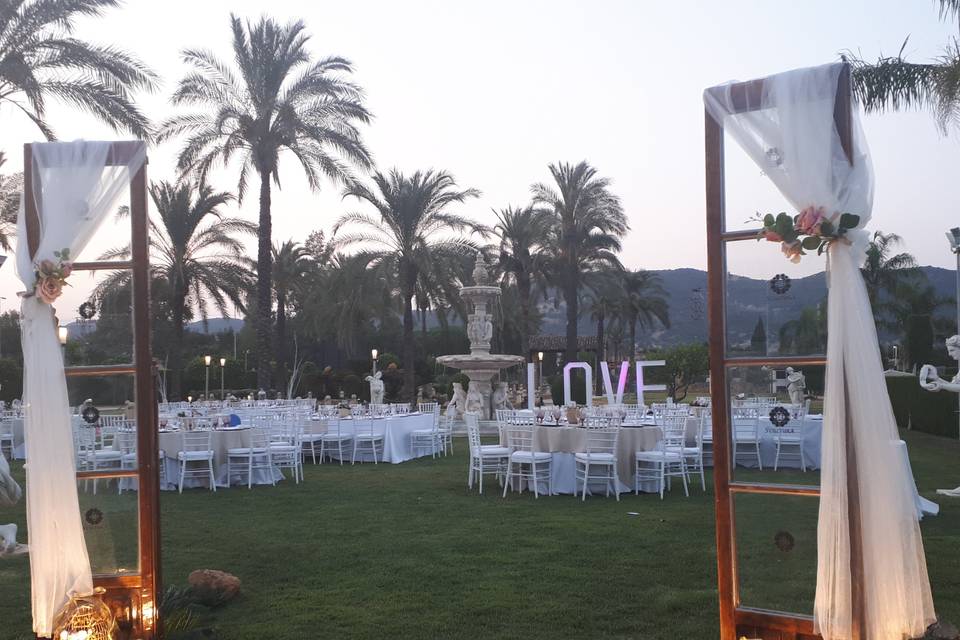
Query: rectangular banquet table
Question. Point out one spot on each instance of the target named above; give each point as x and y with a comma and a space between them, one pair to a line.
563, 442
396, 431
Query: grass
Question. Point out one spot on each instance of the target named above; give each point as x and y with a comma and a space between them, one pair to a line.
406, 551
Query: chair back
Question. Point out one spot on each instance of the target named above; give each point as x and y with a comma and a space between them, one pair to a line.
126, 441
674, 428
473, 432
259, 438
602, 438
519, 436
196, 440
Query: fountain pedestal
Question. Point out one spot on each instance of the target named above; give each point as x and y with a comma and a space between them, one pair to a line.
480, 365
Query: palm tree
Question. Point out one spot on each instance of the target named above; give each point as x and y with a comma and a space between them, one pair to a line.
10, 187
587, 223
644, 303
291, 264
522, 234
603, 293
196, 257
911, 310
883, 270
894, 83
410, 235
275, 98
40, 59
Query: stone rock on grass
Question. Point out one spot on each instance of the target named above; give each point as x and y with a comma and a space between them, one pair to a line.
212, 587
941, 630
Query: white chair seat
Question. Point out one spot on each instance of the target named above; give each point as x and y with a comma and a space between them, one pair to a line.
607, 458
425, 433
530, 456
657, 456
194, 455
311, 437
245, 451
104, 454
687, 451
494, 450
282, 448
129, 457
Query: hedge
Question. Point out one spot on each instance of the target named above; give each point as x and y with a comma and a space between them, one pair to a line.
921, 410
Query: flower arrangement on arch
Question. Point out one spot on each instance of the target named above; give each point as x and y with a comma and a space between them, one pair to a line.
809, 230
51, 276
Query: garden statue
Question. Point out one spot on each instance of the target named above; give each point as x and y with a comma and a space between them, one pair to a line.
796, 385
9, 495
929, 379
376, 387
499, 398
458, 404
474, 400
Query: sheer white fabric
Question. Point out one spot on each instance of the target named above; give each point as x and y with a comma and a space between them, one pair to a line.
794, 140
73, 191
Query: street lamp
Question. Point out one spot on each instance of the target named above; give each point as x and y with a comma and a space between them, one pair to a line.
223, 364
373, 354
62, 333
540, 358
206, 391
953, 236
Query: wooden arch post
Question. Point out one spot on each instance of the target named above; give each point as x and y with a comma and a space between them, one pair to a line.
736, 618
132, 595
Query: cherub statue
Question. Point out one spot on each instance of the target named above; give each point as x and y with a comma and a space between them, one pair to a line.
499, 398
474, 400
376, 387
931, 381
796, 385
457, 404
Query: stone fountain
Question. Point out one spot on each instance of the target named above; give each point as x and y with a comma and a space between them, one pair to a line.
480, 365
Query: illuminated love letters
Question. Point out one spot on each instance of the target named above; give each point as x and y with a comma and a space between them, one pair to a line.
612, 397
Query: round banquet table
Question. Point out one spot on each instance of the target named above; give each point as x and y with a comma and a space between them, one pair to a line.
563, 442
222, 440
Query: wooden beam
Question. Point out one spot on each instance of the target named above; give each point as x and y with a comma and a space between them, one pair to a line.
775, 489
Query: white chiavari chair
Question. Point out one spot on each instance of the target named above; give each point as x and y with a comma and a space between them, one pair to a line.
196, 457
599, 461
525, 463
484, 459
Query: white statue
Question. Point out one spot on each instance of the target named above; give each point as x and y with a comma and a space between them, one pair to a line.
931, 381
796, 385
474, 400
376, 387
9, 495
499, 398
457, 404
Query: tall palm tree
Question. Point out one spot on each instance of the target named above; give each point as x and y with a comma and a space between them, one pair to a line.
40, 58
291, 264
894, 83
603, 291
196, 256
10, 187
523, 233
274, 98
410, 233
587, 224
644, 303
883, 270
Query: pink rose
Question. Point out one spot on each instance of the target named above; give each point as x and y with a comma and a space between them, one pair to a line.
792, 250
809, 220
47, 267
49, 289
772, 236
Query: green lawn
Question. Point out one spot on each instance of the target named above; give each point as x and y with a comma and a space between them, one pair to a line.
405, 551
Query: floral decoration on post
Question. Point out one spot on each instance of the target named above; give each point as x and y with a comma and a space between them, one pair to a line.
809, 230
50, 276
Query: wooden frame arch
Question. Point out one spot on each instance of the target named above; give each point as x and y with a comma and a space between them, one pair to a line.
735, 618
131, 596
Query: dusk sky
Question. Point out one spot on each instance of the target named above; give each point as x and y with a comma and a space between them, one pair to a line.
494, 91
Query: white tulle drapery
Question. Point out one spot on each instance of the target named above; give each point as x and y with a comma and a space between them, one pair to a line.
73, 190
791, 134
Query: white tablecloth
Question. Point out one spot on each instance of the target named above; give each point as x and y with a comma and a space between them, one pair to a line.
221, 441
810, 429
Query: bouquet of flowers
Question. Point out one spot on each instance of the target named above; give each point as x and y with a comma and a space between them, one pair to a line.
809, 230
51, 276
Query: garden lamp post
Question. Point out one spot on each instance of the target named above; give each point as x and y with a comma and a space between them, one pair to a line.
954, 237
206, 387
373, 355
1, 264
223, 365
540, 359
